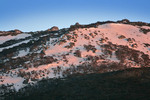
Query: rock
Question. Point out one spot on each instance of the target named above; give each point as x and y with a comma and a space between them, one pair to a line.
121, 37
125, 21
77, 24
16, 31
54, 28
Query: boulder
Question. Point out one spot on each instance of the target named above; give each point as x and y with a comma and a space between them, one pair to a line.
54, 28
77, 24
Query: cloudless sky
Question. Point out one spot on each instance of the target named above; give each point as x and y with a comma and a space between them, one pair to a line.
36, 15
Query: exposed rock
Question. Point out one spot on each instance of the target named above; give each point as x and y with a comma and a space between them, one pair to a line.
77, 24
121, 37
16, 31
125, 21
54, 28
11, 32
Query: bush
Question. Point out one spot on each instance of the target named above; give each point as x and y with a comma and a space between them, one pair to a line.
77, 53
90, 47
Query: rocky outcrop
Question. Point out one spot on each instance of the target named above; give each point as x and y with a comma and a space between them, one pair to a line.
15, 31
54, 28
11, 32
125, 21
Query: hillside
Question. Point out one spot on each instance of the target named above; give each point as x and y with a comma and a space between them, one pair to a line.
130, 84
29, 57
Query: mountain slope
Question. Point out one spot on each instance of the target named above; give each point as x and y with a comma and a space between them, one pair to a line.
26, 58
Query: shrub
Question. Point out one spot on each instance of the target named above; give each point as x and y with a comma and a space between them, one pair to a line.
77, 53
90, 47
71, 44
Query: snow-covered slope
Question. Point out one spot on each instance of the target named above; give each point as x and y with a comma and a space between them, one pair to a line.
9, 37
48, 54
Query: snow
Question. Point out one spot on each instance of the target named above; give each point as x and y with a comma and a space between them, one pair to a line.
22, 53
15, 80
112, 31
9, 37
129, 31
72, 60
145, 27
26, 41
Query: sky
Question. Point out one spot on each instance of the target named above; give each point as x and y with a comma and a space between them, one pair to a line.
36, 15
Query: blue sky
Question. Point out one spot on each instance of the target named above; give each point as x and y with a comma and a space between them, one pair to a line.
35, 15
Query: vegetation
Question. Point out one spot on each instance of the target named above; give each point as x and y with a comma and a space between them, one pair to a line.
129, 84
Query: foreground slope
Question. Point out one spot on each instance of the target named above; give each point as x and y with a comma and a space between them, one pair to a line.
130, 84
